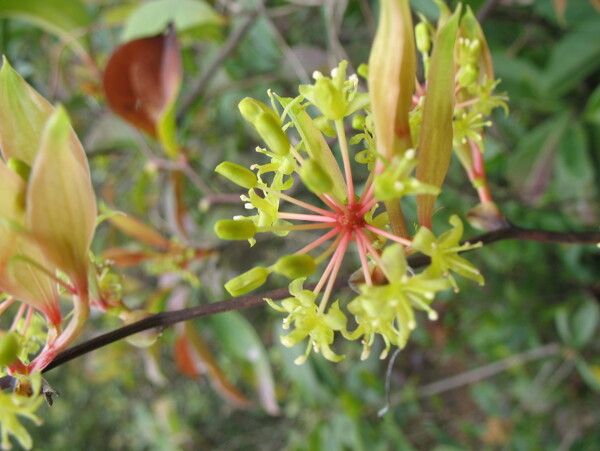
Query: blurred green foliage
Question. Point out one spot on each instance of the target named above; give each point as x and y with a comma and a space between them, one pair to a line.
543, 163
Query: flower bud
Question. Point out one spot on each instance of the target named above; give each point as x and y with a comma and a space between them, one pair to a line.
248, 281
237, 174
143, 339
231, 229
315, 177
358, 121
325, 126
19, 167
9, 348
294, 266
252, 108
270, 131
329, 99
467, 75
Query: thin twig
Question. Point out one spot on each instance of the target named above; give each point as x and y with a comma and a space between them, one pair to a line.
486, 371
232, 42
164, 319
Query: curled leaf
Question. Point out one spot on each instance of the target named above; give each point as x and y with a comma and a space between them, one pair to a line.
141, 83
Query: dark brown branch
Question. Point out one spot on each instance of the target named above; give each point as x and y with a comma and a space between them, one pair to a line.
165, 319
232, 42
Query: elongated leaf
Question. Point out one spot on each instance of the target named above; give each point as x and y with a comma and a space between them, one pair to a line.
138, 230
435, 140
585, 322
573, 59
203, 357
392, 71
18, 277
61, 206
530, 169
23, 115
238, 337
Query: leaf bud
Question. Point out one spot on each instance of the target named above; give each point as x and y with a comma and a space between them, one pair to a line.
231, 229
19, 167
248, 281
237, 174
295, 266
9, 348
270, 131
315, 177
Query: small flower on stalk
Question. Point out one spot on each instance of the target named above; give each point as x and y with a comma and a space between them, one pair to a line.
444, 253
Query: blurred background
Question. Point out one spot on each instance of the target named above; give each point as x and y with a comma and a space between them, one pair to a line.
512, 365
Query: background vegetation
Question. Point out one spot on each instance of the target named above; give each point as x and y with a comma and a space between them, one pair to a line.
512, 365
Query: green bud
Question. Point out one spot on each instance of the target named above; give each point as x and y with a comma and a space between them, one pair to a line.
270, 131
315, 177
248, 281
294, 266
252, 108
329, 99
9, 348
19, 167
358, 121
231, 229
422, 38
325, 126
239, 175
467, 75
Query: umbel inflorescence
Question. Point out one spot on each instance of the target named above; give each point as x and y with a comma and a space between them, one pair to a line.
400, 125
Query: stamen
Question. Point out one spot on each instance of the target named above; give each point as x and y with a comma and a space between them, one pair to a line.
388, 235
305, 217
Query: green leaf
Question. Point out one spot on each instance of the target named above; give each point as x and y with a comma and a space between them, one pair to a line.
574, 175
575, 57
592, 108
152, 17
435, 140
530, 169
64, 18
561, 318
23, 113
240, 339
585, 323
589, 373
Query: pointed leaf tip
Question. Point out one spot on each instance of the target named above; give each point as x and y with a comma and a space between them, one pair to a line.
61, 205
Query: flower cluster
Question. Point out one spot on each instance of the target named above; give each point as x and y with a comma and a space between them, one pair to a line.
403, 129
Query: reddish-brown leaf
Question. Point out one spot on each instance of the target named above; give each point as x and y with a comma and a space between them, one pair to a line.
142, 79
184, 358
